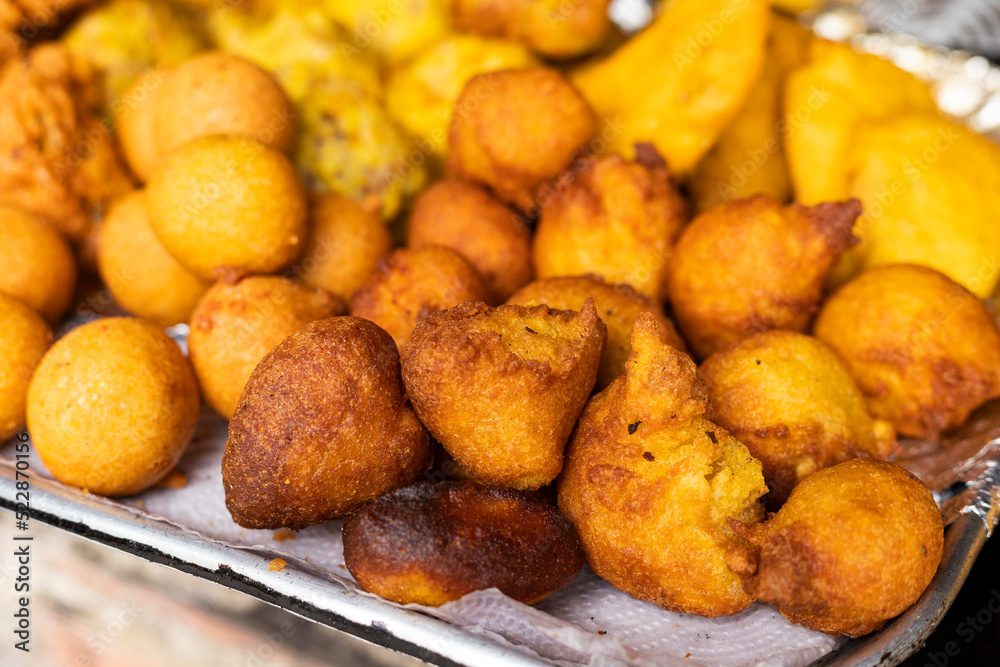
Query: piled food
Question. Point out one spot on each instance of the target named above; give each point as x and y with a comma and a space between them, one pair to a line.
561, 195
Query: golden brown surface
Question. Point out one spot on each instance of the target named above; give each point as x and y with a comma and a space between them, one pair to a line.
501, 389
11, 43
38, 264
112, 406
468, 219
134, 124
752, 265
412, 283
396, 31
24, 338
924, 351
235, 325
431, 544
514, 130
650, 484
854, 546
618, 306
793, 403
322, 427
616, 219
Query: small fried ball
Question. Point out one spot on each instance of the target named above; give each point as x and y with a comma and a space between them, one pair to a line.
651, 484
792, 402
24, 337
924, 351
752, 265
228, 203
501, 389
133, 115
222, 94
412, 283
618, 306
854, 546
514, 130
235, 325
616, 219
112, 406
431, 544
468, 219
143, 277
38, 264
322, 427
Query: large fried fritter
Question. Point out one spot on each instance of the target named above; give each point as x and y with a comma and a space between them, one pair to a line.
752, 265
793, 403
501, 389
322, 427
431, 544
134, 116
924, 351
25, 337
650, 484
618, 220
854, 546
38, 264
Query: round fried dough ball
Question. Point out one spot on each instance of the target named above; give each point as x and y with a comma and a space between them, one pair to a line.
143, 277
468, 219
234, 326
134, 124
924, 351
322, 427
225, 202
431, 544
24, 337
112, 406
854, 546
222, 94
793, 403
412, 283
38, 264
514, 130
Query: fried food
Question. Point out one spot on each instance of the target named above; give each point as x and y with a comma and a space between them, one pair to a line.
854, 546
431, 544
924, 351
112, 406
412, 283
681, 81
134, 117
25, 337
397, 31
616, 219
752, 265
235, 325
50, 13
651, 484
228, 203
11, 42
38, 264
793, 403
468, 219
501, 389
143, 277
514, 130
322, 427
618, 306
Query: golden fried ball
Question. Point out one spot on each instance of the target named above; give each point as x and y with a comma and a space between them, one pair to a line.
25, 337
412, 283
618, 306
228, 203
854, 546
112, 406
924, 351
752, 265
235, 325
322, 427
133, 115
514, 130
651, 484
501, 389
431, 544
38, 264
793, 403
219, 93
143, 277
468, 219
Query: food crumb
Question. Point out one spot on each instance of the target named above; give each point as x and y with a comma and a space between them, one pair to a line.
648, 456
140, 503
688, 655
175, 479
602, 632
276, 565
283, 534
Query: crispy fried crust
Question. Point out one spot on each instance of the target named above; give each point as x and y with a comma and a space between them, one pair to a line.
38, 264
25, 337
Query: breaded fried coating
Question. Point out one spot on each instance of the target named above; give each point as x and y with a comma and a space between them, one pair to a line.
11, 43
38, 264
501, 389
650, 484
25, 337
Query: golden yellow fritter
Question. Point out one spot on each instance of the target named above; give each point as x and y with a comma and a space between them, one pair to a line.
396, 31
134, 123
25, 337
38, 264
